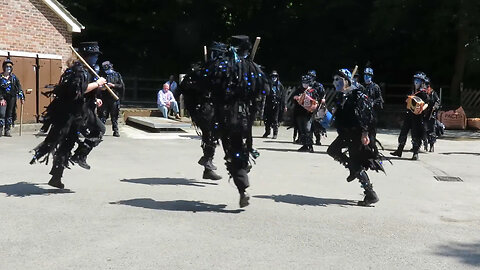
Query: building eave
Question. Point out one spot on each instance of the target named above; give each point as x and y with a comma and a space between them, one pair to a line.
73, 24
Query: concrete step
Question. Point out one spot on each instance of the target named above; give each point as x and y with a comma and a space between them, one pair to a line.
157, 124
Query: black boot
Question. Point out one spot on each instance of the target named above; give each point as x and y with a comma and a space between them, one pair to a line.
116, 133
353, 174
317, 141
210, 174
370, 197
56, 181
310, 149
398, 152
267, 133
207, 163
431, 148
244, 199
415, 156
80, 160
7, 133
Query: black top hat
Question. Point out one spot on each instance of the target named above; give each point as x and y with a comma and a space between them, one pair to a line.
242, 42
91, 47
6, 62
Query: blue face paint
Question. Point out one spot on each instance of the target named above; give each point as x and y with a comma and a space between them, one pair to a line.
367, 78
92, 59
418, 83
338, 83
8, 69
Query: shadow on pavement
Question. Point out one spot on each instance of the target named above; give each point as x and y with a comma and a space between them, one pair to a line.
290, 142
290, 150
178, 205
24, 189
403, 158
460, 153
277, 141
193, 137
168, 181
466, 253
306, 200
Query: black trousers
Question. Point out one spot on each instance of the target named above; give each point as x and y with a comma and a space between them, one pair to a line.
430, 132
353, 144
236, 142
318, 129
304, 125
93, 131
110, 108
7, 112
414, 124
272, 114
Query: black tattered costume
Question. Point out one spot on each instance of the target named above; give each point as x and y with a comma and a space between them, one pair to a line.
222, 96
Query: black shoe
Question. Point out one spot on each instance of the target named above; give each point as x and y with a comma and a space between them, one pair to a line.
202, 161
274, 137
397, 153
207, 163
116, 134
431, 148
370, 198
265, 135
310, 149
81, 161
317, 142
297, 141
56, 182
209, 174
303, 149
7, 133
415, 156
353, 175
244, 199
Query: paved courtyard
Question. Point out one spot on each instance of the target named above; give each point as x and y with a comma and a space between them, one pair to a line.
144, 205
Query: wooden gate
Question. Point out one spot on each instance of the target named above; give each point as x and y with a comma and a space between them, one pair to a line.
26, 71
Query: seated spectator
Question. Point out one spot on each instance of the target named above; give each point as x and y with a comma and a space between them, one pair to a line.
166, 102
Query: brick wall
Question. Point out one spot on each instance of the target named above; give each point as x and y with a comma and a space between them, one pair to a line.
31, 26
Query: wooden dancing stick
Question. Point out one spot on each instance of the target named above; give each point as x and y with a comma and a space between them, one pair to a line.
255, 48
93, 72
354, 71
205, 53
21, 119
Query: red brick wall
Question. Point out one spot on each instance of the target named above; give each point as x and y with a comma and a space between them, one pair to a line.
31, 26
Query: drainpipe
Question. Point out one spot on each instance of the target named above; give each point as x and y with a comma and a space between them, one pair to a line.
37, 89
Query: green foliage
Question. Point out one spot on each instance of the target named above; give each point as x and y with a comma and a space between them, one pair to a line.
157, 38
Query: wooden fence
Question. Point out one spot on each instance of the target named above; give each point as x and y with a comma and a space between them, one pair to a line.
470, 100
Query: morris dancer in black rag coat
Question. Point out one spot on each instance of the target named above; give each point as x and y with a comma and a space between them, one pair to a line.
234, 85
72, 113
354, 120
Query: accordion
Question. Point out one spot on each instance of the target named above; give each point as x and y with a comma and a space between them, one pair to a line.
307, 102
416, 105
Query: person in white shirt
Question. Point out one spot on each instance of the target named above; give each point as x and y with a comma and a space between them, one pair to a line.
166, 101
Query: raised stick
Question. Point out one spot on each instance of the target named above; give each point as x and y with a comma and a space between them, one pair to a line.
93, 72
255, 48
